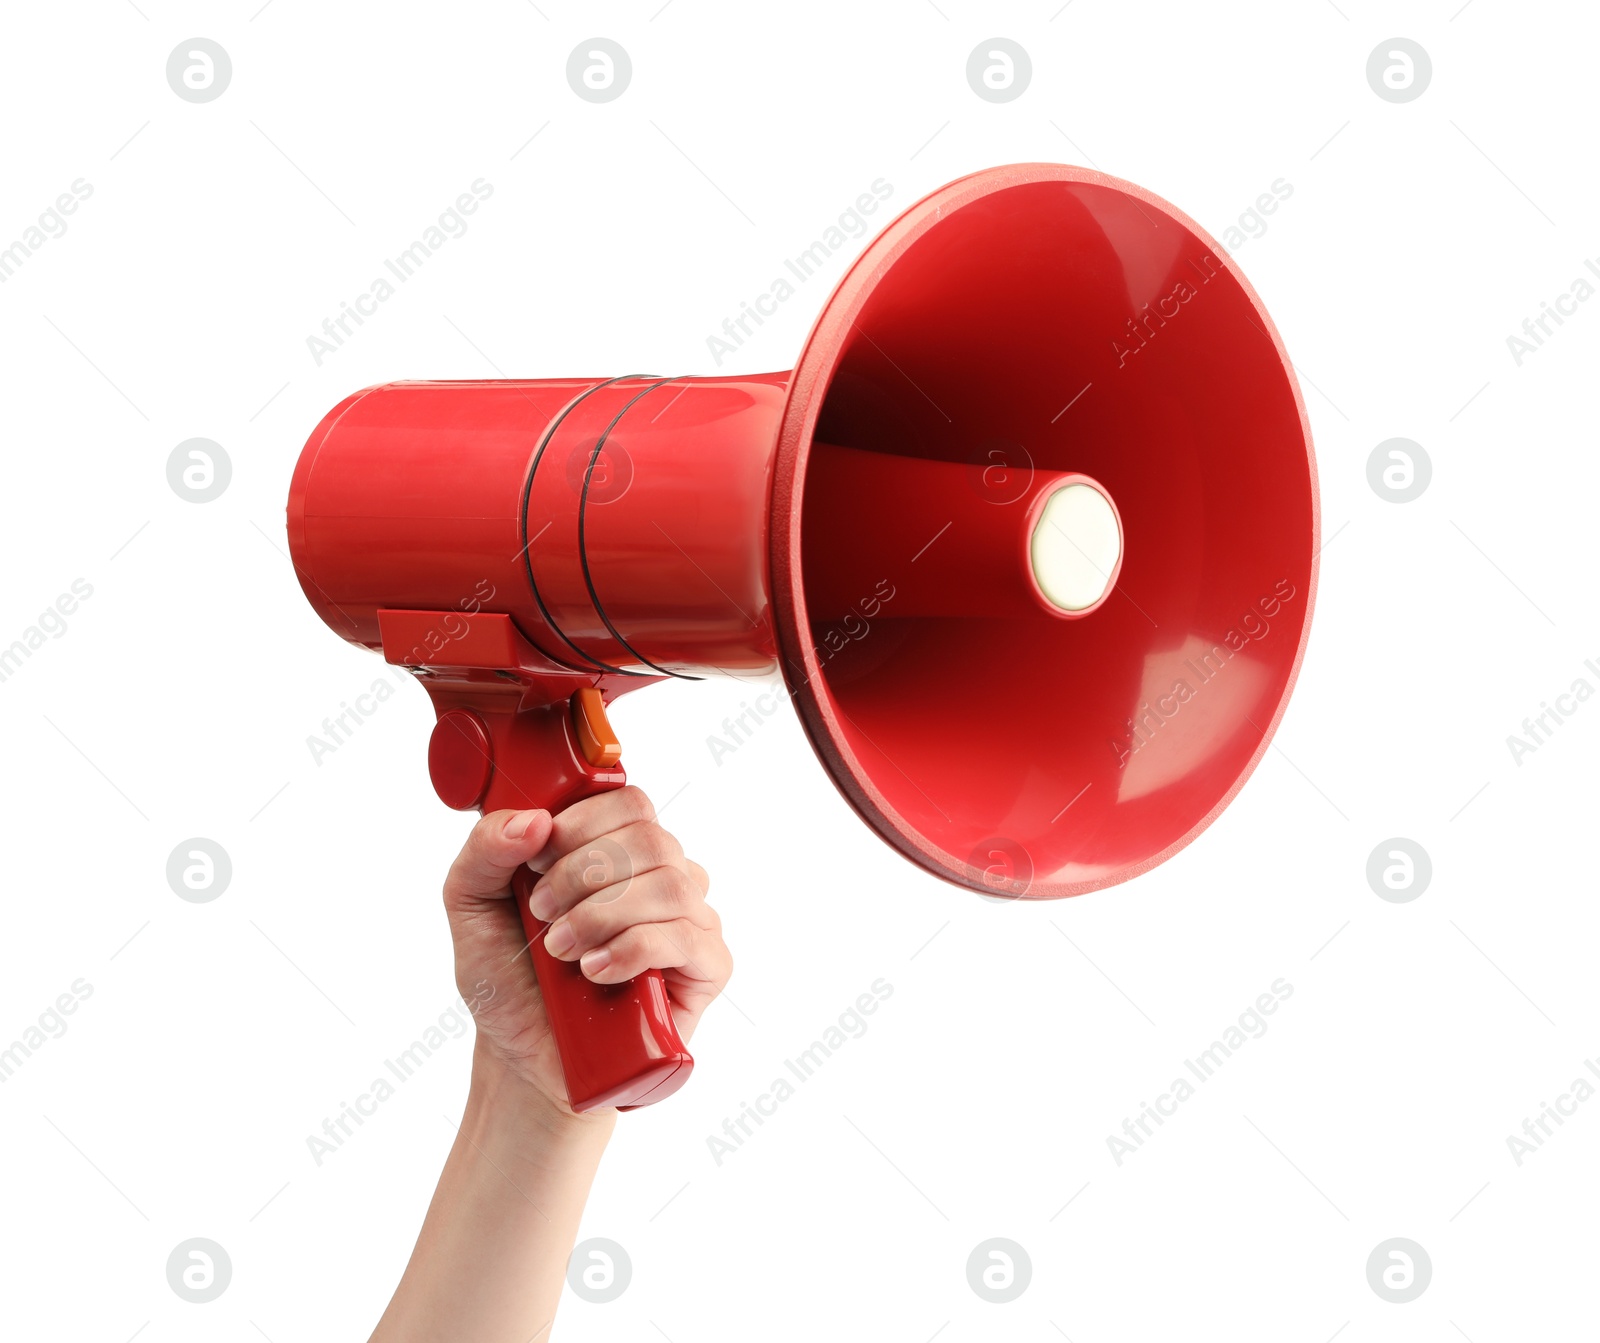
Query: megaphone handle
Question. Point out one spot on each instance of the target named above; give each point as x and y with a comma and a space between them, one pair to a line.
619, 1044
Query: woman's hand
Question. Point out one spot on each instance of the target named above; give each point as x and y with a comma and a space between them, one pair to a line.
621, 898
492, 1254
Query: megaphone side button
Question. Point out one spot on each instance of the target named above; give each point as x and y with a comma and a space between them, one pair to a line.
460, 759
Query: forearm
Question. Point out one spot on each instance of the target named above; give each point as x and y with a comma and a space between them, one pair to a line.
491, 1257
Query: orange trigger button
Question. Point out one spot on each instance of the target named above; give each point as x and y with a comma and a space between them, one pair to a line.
596, 738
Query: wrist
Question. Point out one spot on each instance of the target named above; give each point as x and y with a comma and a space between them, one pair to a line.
524, 1120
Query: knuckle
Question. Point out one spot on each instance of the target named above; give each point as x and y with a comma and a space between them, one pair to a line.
679, 888
687, 939
637, 803
656, 847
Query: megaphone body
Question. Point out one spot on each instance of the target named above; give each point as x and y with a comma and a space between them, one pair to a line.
1029, 534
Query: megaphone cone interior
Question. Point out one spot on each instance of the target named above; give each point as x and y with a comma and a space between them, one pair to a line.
1030, 324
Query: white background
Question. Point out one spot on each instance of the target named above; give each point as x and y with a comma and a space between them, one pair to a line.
179, 699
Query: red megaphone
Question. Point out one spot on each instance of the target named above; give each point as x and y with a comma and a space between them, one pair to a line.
1030, 532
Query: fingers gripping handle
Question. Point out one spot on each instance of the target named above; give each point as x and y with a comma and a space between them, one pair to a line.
619, 1044
517, 731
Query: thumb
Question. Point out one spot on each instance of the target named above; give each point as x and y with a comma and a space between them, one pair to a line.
499, 844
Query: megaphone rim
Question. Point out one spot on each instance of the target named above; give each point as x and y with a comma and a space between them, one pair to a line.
825, 345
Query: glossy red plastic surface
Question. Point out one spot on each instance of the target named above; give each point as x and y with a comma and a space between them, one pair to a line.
860, 525
618, 1043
